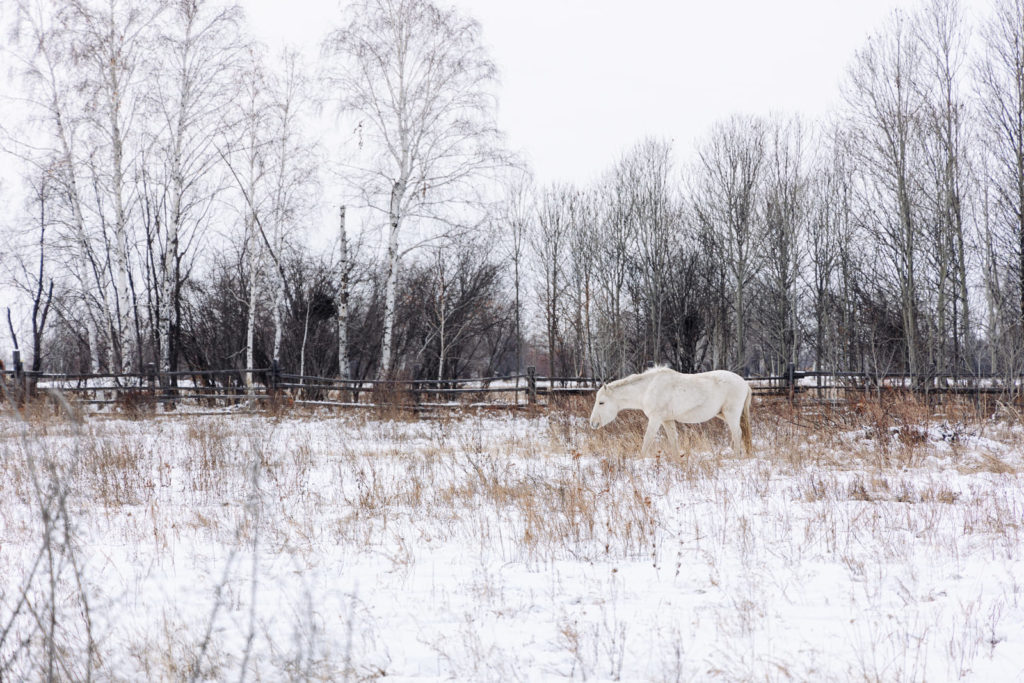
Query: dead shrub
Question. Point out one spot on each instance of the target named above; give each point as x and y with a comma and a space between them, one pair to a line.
135, 403
116, 468
395, 401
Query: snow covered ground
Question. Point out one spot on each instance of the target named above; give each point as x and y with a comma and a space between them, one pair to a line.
509, 548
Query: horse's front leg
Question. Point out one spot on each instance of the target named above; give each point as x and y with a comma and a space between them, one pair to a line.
652, 431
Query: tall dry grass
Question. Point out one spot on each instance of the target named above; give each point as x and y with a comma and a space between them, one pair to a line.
829, 484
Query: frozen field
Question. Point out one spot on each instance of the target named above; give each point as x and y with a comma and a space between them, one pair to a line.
882, 546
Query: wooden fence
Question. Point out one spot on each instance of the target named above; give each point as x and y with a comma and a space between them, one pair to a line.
255, 388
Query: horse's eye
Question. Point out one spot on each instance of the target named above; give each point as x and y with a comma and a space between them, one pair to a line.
600, 403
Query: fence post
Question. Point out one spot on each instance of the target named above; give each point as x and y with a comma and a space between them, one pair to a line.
151, 382
19, 383
531, 385
275, 378
790, 380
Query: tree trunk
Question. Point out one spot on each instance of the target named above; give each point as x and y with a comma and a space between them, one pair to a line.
169, 282
397, 192
250, 320
278, 322
343, 293
120, 255
305, 337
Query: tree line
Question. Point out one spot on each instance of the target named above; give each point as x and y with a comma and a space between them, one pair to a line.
175, 174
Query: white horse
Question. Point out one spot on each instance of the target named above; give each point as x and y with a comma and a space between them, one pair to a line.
667, 397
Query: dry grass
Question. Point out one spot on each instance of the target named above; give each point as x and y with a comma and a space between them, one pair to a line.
239, 504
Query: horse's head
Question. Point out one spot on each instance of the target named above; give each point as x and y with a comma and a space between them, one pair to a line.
605, 409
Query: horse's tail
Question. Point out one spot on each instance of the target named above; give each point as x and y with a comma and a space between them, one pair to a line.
748, 444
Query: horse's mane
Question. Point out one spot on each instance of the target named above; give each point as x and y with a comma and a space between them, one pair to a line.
635, 378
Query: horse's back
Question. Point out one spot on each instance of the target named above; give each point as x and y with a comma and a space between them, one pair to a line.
712, 377
725, 377
693, 397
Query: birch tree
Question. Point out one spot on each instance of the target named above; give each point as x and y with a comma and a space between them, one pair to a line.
345, 266
46, 42
416, 82
111, 43
999, 76
248, 162
292, 175
192, 87
273, 170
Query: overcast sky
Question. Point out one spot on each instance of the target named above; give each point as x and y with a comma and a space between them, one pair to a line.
582, 80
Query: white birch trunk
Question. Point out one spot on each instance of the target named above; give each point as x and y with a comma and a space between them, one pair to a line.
443, 318
169, 281
343, 358
93, 337
120, 255
305, 337
250, 323
167, 287
253, 247
397, 192
278, 305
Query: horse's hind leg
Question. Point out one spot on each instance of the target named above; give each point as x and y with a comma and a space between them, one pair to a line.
731, 418
673, 437
733, 422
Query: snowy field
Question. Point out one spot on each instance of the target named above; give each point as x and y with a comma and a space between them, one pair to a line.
884, 545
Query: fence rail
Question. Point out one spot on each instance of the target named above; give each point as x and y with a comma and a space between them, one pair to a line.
258, 387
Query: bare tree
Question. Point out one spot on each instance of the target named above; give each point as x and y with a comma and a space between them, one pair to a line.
653, 213
616, 238
27, 266
999, 77
690, 304
726, 200
885, 115
942, 34
549, 246
191, 89
273, 169
46, 43
292, 174
344, 290
830, 273
111, 44
416, 80
248, 161
582, 214
517, 218
785, 209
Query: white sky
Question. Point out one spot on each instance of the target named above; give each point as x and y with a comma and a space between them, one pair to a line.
583, 80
